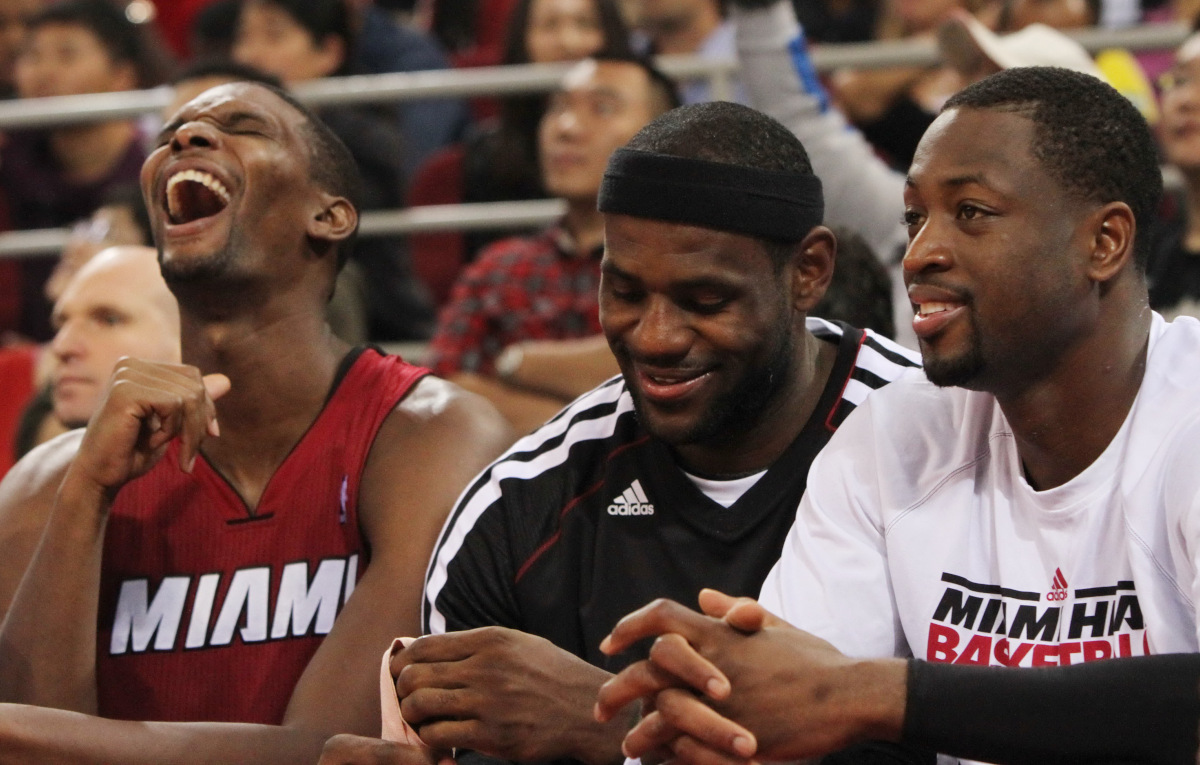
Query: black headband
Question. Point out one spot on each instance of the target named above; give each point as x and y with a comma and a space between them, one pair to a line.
761, 203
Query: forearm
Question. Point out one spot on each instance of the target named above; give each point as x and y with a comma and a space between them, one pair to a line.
565, 369
31, 735
525, 410
861, 192
1142, 709
48, 637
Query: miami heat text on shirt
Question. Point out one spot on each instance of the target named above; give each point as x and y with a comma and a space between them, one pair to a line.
988, 624
302, 606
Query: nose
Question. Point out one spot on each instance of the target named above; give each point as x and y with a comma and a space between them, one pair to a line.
928, 250
195, 135
67, 342
661, 334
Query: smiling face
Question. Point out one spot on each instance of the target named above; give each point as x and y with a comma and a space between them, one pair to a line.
701, 323
997, 253
228, 186
116, 305
600, 106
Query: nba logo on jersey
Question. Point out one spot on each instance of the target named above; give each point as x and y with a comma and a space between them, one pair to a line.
632, 501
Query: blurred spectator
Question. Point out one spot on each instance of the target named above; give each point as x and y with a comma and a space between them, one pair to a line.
54, 177
546, 286
500, 159
298, 40
14, 14
120, 220
837, 21
472, 31
1174, 267
116, 305
385, 46
211, 34
894, 106
687, 27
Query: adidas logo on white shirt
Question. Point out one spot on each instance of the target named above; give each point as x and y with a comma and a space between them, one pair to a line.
632, 501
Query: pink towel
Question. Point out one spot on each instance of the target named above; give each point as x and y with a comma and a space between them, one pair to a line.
394, 726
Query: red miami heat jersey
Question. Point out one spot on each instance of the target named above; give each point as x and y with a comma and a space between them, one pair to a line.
210, 613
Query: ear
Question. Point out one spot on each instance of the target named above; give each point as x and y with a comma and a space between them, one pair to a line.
335, 221
812, 268
1112, 231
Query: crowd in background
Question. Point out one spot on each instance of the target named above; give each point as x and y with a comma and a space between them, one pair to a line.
449, 150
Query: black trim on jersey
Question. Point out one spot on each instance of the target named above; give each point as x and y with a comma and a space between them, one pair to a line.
728, 524
591, 413
887, 353
343, 368
340, 373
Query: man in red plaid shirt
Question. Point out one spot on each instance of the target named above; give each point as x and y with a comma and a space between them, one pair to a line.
544, 287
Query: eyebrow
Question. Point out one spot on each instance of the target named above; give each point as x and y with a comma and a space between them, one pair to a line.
954, 181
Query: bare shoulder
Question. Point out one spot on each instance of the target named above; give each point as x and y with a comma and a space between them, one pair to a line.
439, 409
433, 443
39, 472
26, 499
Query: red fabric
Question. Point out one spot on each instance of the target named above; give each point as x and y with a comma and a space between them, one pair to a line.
437, 257
16, 389
525, 288
185, 541
174, 19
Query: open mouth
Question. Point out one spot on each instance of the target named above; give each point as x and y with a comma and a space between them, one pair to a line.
192, 195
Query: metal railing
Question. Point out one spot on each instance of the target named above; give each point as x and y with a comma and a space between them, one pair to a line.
487, 81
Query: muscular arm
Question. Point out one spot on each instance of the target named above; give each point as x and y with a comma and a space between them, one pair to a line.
524, 409
552, 373
565, 368
861, 192
425, 452
1144, 709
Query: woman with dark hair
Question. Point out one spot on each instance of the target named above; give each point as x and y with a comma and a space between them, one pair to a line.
299, 40
501, 157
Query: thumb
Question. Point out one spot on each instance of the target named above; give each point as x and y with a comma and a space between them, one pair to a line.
747, 616
715, 603
216, 385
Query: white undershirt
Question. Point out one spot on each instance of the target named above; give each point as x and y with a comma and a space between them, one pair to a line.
725, 493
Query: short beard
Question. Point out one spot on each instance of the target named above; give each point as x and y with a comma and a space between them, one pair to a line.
743, 408
957, 371
202, 270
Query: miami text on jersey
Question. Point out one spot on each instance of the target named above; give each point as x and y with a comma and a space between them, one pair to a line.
988, 624
303, 606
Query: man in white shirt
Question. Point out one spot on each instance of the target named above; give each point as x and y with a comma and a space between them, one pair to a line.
1032, 502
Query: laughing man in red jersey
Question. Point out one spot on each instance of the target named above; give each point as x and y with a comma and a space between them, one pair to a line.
183, 559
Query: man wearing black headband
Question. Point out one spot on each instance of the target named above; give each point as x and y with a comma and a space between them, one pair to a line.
1030, 509
684, 472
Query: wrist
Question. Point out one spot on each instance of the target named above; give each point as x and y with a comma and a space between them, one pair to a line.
877, 703
603, 747
79, 491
